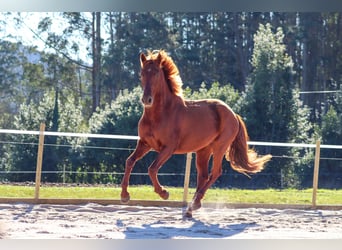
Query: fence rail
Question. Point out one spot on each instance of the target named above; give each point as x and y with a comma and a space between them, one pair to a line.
134, 138
42, 133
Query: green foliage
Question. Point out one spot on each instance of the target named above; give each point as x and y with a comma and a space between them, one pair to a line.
10, 89
271, 108
269, 98
207, 47
125, 110
226, 93
120, 117
331, 132
331, 127
22, 154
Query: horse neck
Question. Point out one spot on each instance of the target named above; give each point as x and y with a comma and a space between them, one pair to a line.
164, 103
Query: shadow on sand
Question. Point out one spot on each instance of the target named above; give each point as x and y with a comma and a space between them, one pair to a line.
190, 228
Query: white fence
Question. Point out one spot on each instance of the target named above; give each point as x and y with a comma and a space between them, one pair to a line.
42, 133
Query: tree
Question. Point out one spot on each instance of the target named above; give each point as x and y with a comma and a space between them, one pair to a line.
207, 47
270, 108
269, 91
331, 133
96, 54
226, 93
23, 154
9, 80
65, 43
119, 117
310, 26
47, 93
128, 35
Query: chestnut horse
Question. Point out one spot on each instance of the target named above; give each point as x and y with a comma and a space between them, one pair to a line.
172, 125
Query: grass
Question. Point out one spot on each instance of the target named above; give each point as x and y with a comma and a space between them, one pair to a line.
267, 196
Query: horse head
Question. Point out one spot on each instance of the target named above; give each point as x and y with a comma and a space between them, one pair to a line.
152, 78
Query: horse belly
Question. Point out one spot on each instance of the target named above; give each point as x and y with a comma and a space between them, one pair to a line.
194, 144
197, 134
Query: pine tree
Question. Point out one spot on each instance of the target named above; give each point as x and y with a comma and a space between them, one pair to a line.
269, 91
331, 132
270, 108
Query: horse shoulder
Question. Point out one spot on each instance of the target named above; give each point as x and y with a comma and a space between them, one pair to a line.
158, 132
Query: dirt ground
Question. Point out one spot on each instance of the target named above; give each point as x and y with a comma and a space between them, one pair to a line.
29, 221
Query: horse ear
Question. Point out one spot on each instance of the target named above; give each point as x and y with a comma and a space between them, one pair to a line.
159, 58
142, 59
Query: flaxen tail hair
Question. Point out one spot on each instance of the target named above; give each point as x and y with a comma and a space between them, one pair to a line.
242, 158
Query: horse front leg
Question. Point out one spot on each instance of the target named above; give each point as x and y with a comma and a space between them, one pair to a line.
162, 157
141, 150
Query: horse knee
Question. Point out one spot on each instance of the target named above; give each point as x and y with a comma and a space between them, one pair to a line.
130, 163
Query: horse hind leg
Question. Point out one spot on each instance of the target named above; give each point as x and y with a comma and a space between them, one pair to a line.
202, 162
216, 172
219, 149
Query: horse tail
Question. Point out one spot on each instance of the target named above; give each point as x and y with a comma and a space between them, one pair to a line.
242, 158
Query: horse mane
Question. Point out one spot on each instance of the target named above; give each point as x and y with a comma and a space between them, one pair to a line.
170, 69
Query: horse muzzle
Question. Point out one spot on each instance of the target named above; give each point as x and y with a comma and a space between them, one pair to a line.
147, 101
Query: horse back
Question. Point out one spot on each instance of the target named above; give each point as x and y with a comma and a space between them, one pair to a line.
203, 122
188, 127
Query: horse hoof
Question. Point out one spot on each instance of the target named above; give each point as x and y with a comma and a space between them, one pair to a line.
164, 194
125, 200
188, 214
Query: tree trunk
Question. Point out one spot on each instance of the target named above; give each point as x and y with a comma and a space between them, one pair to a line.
96, 47
111, 70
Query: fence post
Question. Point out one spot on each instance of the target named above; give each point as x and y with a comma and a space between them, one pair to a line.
187, 177
39, 160
316, 172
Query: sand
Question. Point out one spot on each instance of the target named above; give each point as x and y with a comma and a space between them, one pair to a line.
94, 221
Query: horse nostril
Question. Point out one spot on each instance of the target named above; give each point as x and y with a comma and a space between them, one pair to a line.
147, 101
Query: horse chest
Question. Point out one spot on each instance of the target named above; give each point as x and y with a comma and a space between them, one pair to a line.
156, 133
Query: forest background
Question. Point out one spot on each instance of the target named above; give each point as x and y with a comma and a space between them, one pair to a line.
281, 72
